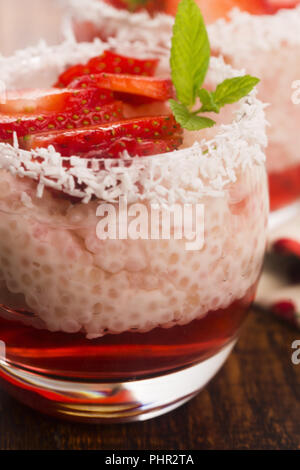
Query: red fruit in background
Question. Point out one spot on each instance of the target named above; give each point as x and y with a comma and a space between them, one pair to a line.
286, 310
101, 138
214, 9
111, 63
142, 147
152, 6
71, 74
114, 63
287, 246
53, 100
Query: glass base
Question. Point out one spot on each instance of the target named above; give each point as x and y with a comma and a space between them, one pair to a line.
116, 402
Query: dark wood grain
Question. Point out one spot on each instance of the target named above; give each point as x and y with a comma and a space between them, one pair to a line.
253, 403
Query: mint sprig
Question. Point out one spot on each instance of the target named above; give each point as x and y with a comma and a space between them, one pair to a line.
190, 56
208, 101
190, 52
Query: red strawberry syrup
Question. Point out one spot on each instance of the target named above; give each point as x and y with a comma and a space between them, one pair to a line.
122, 356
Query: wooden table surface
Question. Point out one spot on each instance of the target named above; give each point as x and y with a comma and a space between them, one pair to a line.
253, 403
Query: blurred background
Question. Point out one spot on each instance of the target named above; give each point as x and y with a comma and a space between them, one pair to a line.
24, 22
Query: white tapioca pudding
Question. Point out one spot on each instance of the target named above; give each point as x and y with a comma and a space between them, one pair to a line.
119, 319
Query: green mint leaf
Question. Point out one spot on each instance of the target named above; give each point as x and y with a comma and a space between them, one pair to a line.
190, 55
187, 119
208, 103
190, 52
233, 89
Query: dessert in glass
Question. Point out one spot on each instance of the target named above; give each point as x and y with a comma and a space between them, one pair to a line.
122, 328
263, 40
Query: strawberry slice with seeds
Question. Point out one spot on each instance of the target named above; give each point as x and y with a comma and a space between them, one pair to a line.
114, 63
92, 138
134, 147
139, 147
111, 63
24, 124
84, 82
88, 81
53, 100
158, 89
72, 73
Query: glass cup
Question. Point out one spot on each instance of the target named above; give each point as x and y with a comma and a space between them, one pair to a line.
122, 296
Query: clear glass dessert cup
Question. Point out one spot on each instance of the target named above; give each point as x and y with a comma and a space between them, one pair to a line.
97, 326
264, 45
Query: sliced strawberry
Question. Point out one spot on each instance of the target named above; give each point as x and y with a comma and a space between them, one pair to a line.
71, 74
114, 63
65, 100
159, 89
101, 137
83, 82
111, 63
88, 81
134, 147
31, 124
140, 147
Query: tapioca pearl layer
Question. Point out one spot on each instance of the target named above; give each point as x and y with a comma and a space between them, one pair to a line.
75, 282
